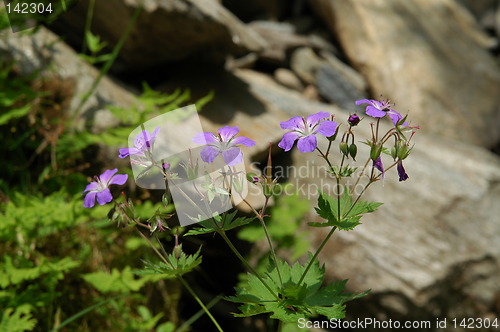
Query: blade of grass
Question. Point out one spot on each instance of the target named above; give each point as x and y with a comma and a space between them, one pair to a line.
84, 312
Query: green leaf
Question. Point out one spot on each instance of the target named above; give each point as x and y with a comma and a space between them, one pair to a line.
14, 114
94, 42
224, 222
179, 263
116, 281
290, 300
18, 319
349, 215
14, 275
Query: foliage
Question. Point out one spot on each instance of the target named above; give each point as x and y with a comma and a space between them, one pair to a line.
116, 282
224, 222
17, 320
295, 300
179, 263
349, 214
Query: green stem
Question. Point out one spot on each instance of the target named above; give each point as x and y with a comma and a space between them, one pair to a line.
244, 261
316, 254
268, 237
88, 23
190, 290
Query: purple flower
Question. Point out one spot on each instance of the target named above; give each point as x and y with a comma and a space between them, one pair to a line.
377, 163
379, 109
142, 143
353, 120
100, 187
401, 172
305, 130
225, 142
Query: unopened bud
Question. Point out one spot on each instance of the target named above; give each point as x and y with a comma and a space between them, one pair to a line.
375, 151
344, 148
353, 150
353, 120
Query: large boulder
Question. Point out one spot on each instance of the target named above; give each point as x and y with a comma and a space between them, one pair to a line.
430, 251
43, 53
431, 54
165, 31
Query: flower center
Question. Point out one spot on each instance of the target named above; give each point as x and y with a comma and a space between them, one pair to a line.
308, 128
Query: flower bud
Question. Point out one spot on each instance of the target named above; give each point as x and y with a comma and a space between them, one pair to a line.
165, 199
353, 150
192, 172
237, 182
178, 251
403, 150
394, 152
344, 148
252, 177
353, 120
375, 151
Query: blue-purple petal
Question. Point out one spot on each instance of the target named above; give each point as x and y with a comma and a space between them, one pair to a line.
89, 200
226, 133
155, 132
374, 112
92, 186
130, 152
107, 175
118, 179
377, 163
104, 196
401, 172
141, 139
313, 119
295, 123
395, 116
208, 154
204, 138
288, 140
232, 156
307, 143
243, 141
363, 101
327, 128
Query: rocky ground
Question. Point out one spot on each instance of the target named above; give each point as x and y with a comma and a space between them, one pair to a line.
433, 249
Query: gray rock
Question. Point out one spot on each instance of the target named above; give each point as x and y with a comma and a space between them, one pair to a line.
288, 79
305, 63
336, 89
166, 31
283, 40
335, 81
44, 52
440, 68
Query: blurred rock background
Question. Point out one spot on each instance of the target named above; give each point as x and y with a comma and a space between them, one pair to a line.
433, 249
